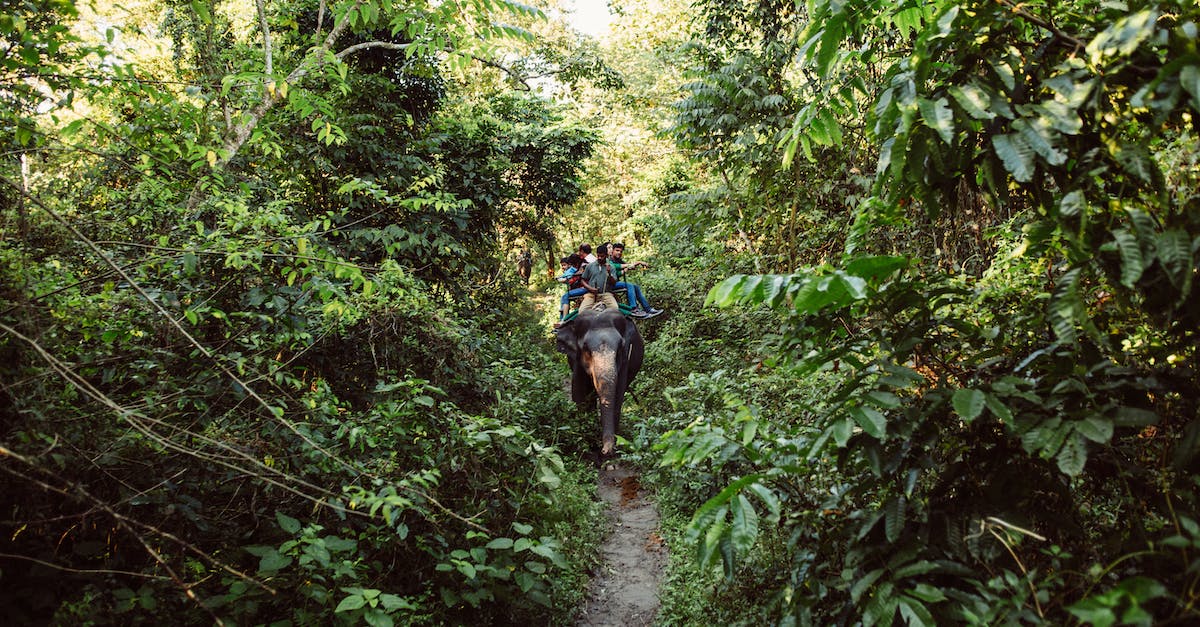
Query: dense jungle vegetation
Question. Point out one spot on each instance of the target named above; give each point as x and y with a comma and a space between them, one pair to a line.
929, 354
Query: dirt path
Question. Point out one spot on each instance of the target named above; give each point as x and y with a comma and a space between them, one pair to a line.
625, 587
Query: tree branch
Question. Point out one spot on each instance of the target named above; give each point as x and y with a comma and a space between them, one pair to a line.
371, 44
269, 67
82, 571
1046, 24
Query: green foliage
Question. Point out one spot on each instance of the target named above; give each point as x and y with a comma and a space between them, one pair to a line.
236, 310
943, 423
39, 50
740, 103
1004, 352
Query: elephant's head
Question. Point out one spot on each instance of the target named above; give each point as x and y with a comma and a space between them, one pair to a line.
605, 351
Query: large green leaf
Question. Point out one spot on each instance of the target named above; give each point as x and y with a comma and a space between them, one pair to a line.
1061, 116
870, 420
766, 496
1043, 437
831, 39
1122, 38
927, 593
908, 20
775, 290
1073, 204
883, 400
726, 292
854, 286
1039, 134
352, 602
875, 267
998, 408
1132, 263
1145, 227
715, 509
968, 403
1137, 161
1095, 428
709, 548
824, 129
747, 290
864, 583
1066, 308
973, 100
1189, 79
1175, 253
938, 116
914, 612
1016, 154
273, 561
753, 289
885, 156
1004, 71
1073, 88
1072, 456
881, 607
893, 518
743, 525
842, 430
945, 22
287, 523
818, 292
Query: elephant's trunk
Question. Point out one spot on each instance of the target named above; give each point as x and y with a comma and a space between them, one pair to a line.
605, 378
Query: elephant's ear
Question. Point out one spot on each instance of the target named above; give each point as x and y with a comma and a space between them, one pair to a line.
567, 340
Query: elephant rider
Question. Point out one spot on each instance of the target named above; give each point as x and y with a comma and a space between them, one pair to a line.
599, 279
585, 251
571, 267
637, 298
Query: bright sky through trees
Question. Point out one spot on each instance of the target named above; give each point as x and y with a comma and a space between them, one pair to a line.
590, 16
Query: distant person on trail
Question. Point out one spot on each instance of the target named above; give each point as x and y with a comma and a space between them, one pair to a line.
525, 265
599, 279
637, 298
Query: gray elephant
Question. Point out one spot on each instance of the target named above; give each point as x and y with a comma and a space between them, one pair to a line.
605, 351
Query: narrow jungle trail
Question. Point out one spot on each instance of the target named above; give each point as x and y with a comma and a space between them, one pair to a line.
624, 590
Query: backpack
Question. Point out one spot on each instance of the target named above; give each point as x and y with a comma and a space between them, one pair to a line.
574, 280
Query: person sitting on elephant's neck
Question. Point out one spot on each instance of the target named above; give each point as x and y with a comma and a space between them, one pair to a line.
585, 252
598, 279
642, 307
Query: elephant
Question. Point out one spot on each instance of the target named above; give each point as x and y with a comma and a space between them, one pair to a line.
605, 351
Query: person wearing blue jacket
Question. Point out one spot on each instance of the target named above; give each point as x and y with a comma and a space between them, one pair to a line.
571, 276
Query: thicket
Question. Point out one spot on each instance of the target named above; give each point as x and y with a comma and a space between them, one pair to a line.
263, 357
969, 234
258, 360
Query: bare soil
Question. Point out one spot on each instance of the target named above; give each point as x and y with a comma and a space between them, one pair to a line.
624, 589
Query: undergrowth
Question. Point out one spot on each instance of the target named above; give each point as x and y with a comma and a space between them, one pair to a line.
421, 465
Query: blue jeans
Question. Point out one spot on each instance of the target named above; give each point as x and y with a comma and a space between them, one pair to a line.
636, 297
579, 291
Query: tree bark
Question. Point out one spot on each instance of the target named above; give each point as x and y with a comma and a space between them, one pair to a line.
269, 67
